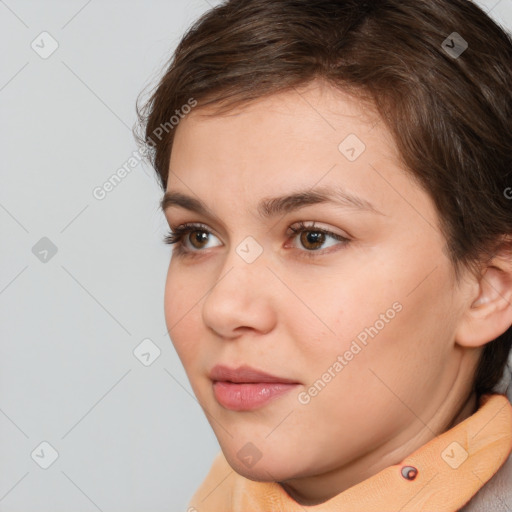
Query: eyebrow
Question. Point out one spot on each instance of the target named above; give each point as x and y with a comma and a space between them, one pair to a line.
280, 205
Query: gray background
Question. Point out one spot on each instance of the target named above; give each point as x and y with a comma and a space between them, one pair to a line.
129, 437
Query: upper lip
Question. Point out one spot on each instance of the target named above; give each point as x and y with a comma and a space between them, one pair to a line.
245, 374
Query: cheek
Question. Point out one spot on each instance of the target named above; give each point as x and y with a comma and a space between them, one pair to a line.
369, 373
173, 289
379, 320
182, 309
348, 307
406, 347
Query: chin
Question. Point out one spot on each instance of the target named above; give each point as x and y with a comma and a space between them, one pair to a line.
264, 469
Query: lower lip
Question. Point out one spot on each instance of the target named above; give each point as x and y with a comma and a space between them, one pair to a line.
248, 396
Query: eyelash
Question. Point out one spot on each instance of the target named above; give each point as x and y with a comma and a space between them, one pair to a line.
177, 234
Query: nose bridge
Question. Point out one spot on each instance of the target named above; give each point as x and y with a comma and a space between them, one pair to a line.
249, 250
245, 264
240, 296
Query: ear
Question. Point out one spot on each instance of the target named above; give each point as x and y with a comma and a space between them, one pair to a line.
489, 310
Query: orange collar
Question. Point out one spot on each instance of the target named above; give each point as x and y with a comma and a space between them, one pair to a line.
443, 475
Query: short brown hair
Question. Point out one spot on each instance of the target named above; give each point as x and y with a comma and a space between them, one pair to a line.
450, 114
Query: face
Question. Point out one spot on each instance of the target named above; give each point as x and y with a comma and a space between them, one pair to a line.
354, 316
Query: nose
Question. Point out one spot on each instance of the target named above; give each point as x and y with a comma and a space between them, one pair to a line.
242, 298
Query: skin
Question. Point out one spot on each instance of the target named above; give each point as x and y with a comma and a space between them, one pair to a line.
292, 315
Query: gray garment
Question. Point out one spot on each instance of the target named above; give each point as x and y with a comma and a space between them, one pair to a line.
496, 495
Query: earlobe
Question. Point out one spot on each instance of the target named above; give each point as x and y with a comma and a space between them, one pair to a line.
490, 313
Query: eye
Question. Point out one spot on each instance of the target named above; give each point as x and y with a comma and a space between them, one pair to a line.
181, 236
191, 239
313, 238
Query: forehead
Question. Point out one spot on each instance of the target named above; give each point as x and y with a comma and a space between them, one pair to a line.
299, 138
298, 117
315, 106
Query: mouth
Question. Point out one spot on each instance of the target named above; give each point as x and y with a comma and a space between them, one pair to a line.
245, 388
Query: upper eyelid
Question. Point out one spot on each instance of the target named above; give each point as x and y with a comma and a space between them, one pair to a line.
194, 226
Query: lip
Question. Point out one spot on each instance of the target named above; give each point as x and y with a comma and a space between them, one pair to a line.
245, 374
245, 388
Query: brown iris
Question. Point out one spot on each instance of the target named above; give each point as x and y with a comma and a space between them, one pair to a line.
199, 237
315, 238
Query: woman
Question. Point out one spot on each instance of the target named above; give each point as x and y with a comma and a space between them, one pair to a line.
336, 178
